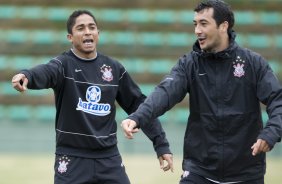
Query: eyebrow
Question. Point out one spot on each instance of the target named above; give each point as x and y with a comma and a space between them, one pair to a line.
81, 25
201, 20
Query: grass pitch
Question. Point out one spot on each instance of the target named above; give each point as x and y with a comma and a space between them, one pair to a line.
142, 169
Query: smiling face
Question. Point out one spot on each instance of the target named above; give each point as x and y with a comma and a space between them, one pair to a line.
211, 37
84, 36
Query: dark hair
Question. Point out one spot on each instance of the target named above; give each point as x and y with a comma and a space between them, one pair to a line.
74, 15
222, 12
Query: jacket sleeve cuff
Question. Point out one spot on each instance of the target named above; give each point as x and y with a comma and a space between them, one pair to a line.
27, 75
135, 119
270, 141
161, 150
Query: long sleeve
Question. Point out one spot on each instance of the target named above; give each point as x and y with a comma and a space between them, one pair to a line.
168, 93
44, 76
269, 91
129, 98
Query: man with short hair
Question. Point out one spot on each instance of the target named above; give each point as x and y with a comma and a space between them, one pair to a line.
86, 85
225, 141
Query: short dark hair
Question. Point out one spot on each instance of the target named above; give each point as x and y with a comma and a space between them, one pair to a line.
222, 12
74, 15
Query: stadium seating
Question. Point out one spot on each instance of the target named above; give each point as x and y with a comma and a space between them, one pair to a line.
270, 18
159, 39
135, 29
2, 113
245, 17
27, 113
20, 113
8, 12
137, 15
133, 65
278, 41
44, 113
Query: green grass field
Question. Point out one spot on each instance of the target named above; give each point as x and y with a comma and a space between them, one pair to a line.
142, 169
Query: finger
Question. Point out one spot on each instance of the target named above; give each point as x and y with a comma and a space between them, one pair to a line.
161, 162
169, 159
135, 130
170, 163
132, 128
128, 126
128, 134
18, 87
16, 78
262, 146
256, 148
166, 168
16, 82
265, 149
132, 124
169, 166
265, 146
19, 82
24, 85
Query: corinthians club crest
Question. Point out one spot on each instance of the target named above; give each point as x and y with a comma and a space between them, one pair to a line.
63, 162
238, 66
107, 73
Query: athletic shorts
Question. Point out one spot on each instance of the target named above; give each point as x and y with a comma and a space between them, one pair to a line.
191, 178
76, 170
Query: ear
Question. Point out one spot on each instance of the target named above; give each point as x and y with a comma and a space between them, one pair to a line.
98, 37
69, 37
224, 26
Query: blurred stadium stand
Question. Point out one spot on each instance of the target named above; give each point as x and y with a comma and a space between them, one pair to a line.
146, 36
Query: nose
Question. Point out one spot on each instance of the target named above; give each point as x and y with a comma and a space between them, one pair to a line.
198, 30
87, 31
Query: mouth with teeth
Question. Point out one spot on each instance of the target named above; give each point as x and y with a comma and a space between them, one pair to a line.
201, 40
88, 42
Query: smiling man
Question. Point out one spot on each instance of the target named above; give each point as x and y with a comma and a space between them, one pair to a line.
225, 141
86, 86
211, 36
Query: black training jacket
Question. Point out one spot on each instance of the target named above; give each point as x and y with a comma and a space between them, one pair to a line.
85, 95
225, 90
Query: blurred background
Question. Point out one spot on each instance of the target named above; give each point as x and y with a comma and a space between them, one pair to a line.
146, 36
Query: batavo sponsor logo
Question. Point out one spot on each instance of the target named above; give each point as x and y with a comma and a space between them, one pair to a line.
91, 106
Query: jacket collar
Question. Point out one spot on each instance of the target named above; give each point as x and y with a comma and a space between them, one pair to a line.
219, 55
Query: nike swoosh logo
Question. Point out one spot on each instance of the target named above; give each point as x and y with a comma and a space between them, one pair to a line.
201, 74
77, 70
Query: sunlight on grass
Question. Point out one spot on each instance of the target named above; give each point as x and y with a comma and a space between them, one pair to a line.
142, 169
